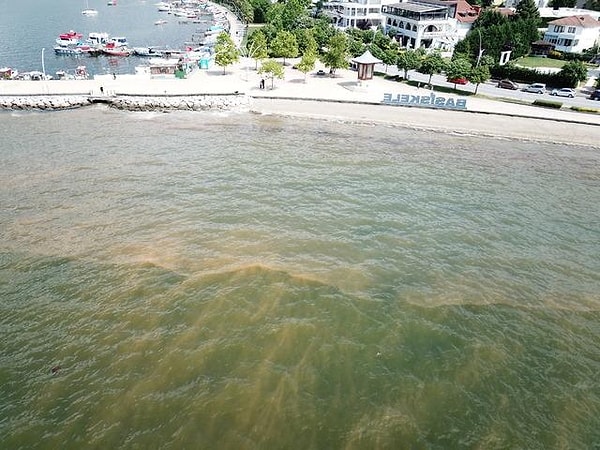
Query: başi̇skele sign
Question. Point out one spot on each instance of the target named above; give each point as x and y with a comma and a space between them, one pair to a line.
429, 101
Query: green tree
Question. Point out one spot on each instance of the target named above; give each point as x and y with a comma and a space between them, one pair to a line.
257, 47
432, 63
594, 5
493, 33
408, 60
575, 72
489, 18
245, 8
284, 45
306, 40
260, 8
336, 55
275, 16
458, 68
384, 49
527, 10
294, 13
478, 75
356, 45
323, 31
562, 3
307, 63
272, 69
225, 51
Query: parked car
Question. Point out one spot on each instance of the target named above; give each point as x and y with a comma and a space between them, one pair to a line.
536, 88
459, 80
320, 72
595, 95
507, 84
563, 92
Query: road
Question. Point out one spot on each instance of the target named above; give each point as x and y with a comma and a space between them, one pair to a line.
490, 88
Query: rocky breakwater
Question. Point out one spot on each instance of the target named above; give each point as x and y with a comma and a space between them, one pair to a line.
203, 102
43, 102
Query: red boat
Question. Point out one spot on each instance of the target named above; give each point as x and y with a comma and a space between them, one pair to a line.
69, 38
113, 50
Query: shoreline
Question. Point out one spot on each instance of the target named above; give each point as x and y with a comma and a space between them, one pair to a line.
339, 98
474, 123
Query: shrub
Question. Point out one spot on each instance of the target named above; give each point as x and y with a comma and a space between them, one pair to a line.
555, 54
548, 104
528, 76
585, 109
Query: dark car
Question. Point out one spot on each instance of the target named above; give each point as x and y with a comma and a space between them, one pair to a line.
507, 84
595, 95
459, 80
320, 72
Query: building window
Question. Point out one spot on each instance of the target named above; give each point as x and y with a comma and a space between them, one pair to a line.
559, 28
571, 30
568, 42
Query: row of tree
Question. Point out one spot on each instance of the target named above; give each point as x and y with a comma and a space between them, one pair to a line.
291, 31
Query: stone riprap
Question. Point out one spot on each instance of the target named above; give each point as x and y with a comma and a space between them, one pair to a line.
188, 103
131, 103
43, 102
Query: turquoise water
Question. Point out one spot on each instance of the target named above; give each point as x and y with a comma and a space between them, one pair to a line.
248, 282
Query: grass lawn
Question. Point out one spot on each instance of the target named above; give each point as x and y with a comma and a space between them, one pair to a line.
533, 62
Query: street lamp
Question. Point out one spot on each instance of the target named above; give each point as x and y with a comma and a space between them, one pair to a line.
480, 49
43, 66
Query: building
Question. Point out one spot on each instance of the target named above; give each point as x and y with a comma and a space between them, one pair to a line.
573, 34
361, 14
431, 24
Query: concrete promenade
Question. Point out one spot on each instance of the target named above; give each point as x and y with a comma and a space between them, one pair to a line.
339, 98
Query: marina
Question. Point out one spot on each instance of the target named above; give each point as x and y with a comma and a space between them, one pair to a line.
191, 31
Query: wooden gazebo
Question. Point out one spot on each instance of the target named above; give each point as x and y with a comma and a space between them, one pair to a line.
366, 65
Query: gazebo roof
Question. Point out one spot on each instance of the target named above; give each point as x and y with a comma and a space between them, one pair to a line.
366, 58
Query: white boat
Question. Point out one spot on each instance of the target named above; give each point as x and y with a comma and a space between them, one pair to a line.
163, 6
89, 11
149, 51
67, 50
160, 22
97, 39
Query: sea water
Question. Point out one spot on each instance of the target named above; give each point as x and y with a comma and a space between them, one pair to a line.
29, 28
211, 281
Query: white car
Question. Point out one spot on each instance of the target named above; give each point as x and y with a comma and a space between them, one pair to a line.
536, 88
564, 92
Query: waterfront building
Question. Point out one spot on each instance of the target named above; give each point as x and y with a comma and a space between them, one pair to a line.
431, 24
361, 14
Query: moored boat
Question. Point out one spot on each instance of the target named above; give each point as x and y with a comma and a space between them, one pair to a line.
8, 73
112, 49
69, 38
69, 50
149, 51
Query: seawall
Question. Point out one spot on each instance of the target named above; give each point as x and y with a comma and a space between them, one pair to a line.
200, 102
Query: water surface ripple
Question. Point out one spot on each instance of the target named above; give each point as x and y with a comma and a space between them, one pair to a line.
239, 281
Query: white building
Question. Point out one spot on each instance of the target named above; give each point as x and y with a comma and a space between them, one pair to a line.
361, 14
431, 24
551, 13
573, 34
